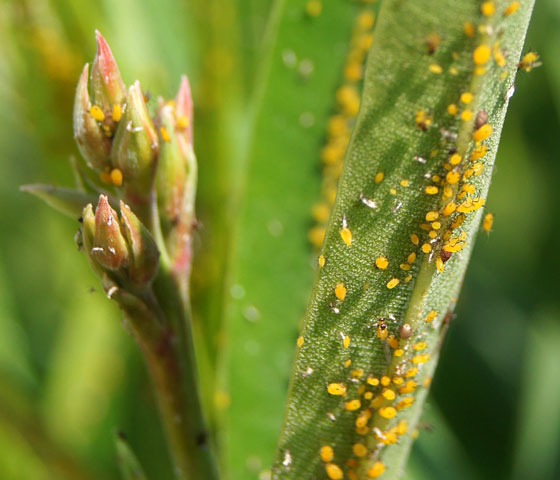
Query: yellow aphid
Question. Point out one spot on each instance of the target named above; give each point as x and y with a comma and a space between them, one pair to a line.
346, 341
447, 192
346, 235
414, 239
468, 28
96, 112
432, 215
404, 183
419, 346
398, 380
300, 341
387, 412
379, 176
431, 189
481, 54
353, 71
411, 257
432, 234
321, 261
482, 133
457, 221
363, 418
117, 113
431, 316
116, 177
426, 248
352, 405
436, 225
347, 363
452, 109
381, 329
466, 97
487, 8
453, 71
182, 122
371, 380
466, 115
316, 236
388, 394
164, 134
326, 453
334, 472
408, 278
405, 403
340, 291
468, 188
399, 352
385, 381
359, 449
435, 68
499, 57
313, 8
368, 395
478, 153
439, 265
392, 283
366, 20
432, 42
349, 100
529, 61
511, 8
392, 341
321, 212
336, 388
455, 159
377, 401
404, 266
452, 177
480, 70
427, 381
421, 358
411, 372
423, 120
487, 222
381, 263
408, 387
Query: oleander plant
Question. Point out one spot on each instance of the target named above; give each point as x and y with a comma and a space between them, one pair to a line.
269, 208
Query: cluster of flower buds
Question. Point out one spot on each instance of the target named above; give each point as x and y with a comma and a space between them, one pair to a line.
122, 249
145, 160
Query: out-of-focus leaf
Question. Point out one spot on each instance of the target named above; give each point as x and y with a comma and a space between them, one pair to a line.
407, 212
538, 427
128, 463
270, 269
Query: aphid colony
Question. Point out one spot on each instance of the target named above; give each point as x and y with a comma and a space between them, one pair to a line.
341, 122
375, 400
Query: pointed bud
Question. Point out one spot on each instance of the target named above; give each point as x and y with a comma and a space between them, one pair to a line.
171, 173
107, 87
109, 244
143, 249
92, 142
136, 145
184, 110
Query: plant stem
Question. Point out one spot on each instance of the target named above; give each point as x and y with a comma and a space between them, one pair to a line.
160, 325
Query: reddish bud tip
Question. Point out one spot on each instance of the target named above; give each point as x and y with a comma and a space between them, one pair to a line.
107, 86
184, 109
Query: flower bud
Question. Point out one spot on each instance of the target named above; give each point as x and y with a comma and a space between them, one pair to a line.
107, 87
171, 170
109, 244
87, 236
92, 142
135, 146
143, 249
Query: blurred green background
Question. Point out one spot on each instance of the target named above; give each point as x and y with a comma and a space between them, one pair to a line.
69, 374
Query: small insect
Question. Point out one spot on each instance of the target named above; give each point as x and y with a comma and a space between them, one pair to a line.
529, 61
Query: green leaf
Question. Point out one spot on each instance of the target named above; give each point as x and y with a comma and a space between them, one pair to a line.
129, 465
270, 268
66, 200
422, 60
